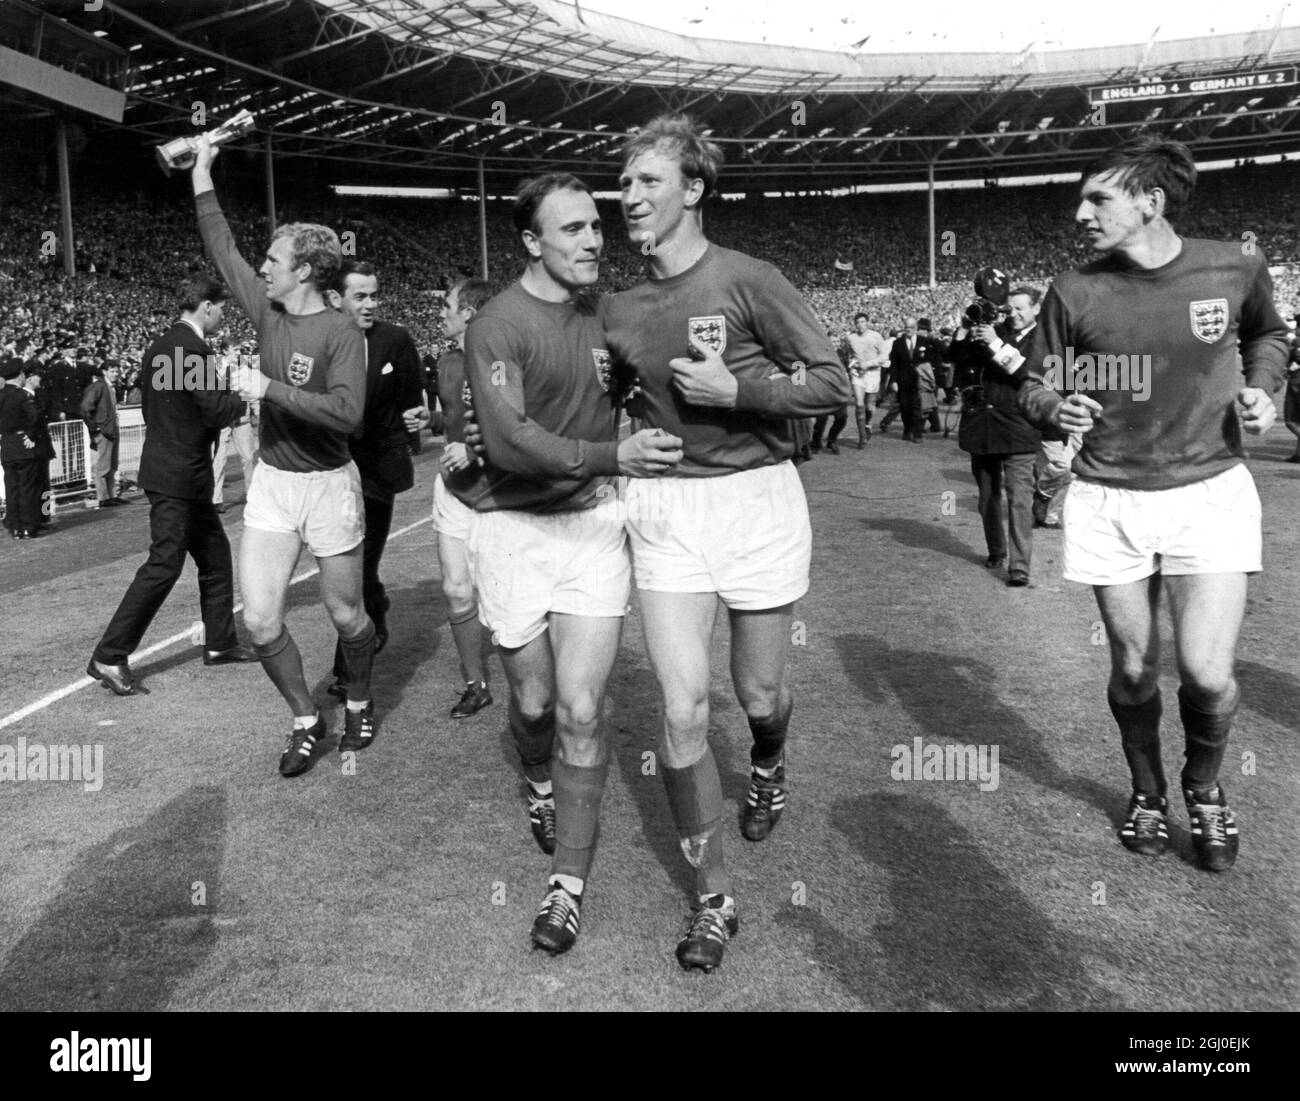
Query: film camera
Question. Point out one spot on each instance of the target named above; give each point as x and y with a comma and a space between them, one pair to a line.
991, 286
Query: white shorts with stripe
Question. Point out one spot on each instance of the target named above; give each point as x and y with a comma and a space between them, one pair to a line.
745, 536
1114, 536
526, 565
324, 508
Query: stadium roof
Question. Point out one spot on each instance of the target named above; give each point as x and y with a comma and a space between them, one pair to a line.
421, 91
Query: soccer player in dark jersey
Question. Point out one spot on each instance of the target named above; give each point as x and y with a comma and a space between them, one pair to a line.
1145, 341
306, 489
461, 481
547, 545
726, 354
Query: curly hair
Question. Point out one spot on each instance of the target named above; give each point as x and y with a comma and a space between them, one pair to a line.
315, 245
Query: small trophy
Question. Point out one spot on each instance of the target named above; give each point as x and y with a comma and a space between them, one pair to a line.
180, 153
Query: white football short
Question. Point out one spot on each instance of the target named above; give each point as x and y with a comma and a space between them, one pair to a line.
526, 565
451, 516
1114, 536
324, 508
745, 536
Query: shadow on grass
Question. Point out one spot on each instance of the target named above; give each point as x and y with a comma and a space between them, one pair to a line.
1271, 693
925, 535
960, 935
955, 698
123, 933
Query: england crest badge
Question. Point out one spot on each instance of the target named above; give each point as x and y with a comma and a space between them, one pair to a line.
1209, 319
300, 368
602, 360
709, 331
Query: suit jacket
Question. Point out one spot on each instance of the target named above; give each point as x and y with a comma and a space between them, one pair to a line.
99, 409
41, 430
394, 383
903, 365
17, 423
183, 417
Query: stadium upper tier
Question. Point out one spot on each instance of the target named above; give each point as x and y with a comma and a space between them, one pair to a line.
426, 91
419, 245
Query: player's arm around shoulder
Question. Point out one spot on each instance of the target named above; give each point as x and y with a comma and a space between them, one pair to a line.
809, 379
514, 442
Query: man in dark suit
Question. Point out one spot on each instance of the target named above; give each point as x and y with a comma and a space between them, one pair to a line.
99, 411
18, 451
912, 361
1000, 440
35, 385
381, 447
186, 404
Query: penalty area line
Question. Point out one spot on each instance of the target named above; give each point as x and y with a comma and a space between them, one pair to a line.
158, 647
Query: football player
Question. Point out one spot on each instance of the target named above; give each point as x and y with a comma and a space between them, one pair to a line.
1147, 339
725, 353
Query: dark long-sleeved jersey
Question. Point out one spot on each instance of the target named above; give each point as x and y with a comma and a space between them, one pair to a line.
316, 363
785, 364
539, 374
1158, 349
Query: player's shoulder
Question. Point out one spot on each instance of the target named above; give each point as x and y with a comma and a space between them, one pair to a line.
742, 265
504, 305
1241, 254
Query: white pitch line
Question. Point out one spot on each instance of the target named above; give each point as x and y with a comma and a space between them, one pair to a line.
181, 636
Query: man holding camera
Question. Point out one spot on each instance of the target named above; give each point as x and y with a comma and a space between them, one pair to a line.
1000, 441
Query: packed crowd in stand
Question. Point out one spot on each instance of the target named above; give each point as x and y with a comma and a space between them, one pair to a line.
120, 297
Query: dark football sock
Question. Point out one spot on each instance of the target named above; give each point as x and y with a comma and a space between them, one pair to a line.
283, 664
467, 633
1139, 734
1206, 734
577, 815
533, 739
695, 797
359, 656
769, 736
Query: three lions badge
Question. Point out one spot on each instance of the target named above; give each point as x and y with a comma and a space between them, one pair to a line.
709, 331
1209, 319
300, 367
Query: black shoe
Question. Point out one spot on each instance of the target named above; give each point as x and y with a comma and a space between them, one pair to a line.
833, 448
358, 728
339, 689
118, 678
1214, 829
541, 816
1144, 830
995, 561
475, 697
233, 655
113, 502
763, 804
816, 449
1018, 579
712, 925
556, 926
296, 757
220, 507
1294, 459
